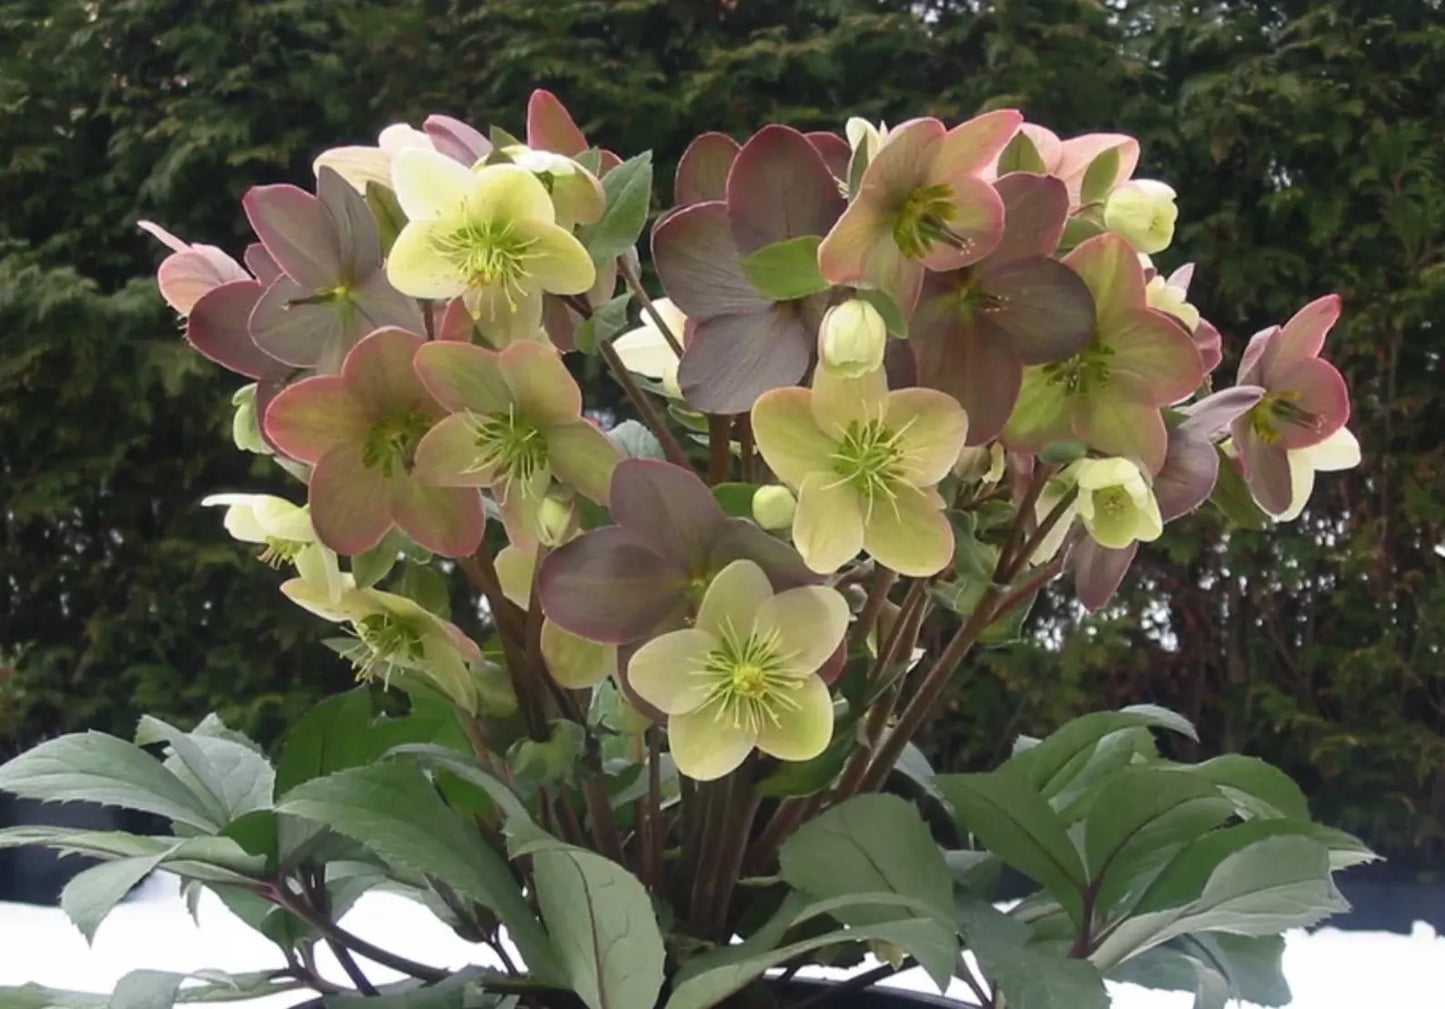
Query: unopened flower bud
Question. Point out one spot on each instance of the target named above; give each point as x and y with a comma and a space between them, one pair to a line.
1143, 213
853, 338
983, 463
1172, 300
774, 507
245, 425
556, 520
865, 136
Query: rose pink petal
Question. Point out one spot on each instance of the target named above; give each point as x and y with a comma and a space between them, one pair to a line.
184, 277
260, 263
1302, 338
1153, 359
310, 418
445, 520
550, 126
163, 236
1210, 345
293, 227
731, 360
977, 225
350, 502
972, 146
1035, 210
217, 327
1319, 390
702, 174
834, 149
1187, 477
860, 252
1219, 410
780, 188
1078, 153
456, 139
378, 372
698, 264
1265, 467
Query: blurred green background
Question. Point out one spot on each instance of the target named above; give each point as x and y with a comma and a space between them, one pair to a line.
1304, 138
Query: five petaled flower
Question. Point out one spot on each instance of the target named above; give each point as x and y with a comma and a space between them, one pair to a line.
745, 674
864, 462
360, 430
285, 530
488, 235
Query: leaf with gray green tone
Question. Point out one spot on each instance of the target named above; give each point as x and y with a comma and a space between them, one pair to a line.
786, 270
210, 859
878, 844
1050, 764
1257, 789
92, 893
393, 809
1013, 822
426, 587
629, 195
635, 441
464, 767
1027, 977
230, 777
600, 919
370, 566
604, 324
96, 767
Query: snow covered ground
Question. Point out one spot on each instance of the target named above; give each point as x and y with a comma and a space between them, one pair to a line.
1329, 969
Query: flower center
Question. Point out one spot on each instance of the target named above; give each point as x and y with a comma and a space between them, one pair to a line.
1276, 410
487, 254
278, 551
1084, 373
512, 447
1112, 502
924, 220
750, 685
870, 459
390, 445
384, 641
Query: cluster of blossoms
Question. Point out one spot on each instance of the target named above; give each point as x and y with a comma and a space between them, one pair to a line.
886, 334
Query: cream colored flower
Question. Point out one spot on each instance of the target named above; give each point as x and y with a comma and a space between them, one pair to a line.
360, 164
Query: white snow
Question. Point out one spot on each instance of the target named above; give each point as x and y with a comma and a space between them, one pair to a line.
1328, 969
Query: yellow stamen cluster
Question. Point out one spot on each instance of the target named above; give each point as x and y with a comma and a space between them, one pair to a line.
748, 686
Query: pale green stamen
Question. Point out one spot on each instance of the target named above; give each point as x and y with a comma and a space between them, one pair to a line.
924, 220
278, 552
750, 686
1277, 409
488, 254
384, 640
512, 447
390, 445
1112, 502
1086, 372
870, 458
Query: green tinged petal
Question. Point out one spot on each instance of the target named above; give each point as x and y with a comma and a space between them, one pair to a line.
828, 526
733, 598
448, 454
809, 623
803, 732
1042, 415
788, 435
544, 391
931, 429
705, 746
838, 402
575, 662
515, 568
583, 457
556, 261
666, 672
909, 533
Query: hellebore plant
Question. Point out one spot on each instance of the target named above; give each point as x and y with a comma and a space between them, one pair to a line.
651, 739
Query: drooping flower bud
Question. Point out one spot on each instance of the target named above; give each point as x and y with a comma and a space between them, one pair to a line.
1142, 212
1172, 300
774, 507
982, 463
556, 519
852, 339
245, 425
1116, 503
865, 136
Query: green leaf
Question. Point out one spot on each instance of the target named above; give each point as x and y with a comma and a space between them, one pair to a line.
878, 844
1099, 177
736, 498
465, 767
1061, 453
1021, 156
600, 919
394, 810
1015, 823
370, 566
1257, 789
342, 731
1139, 822
1232, 497
603, 325
786, 270
1032, 979
893, 316
209, 859
90, 895
146, 989
1049, 765
1114, 751
390, 218
35, 996
636, 441
97, 767
629, 194
707, 980
1254, 965
231, 778
807, 777
428, 588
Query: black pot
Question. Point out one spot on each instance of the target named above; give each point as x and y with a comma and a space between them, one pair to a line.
788, 993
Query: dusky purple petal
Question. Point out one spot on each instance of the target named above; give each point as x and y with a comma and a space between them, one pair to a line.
305, 335
350, 502
668, 506
217, 327
1217, 411
377, 304
742, 540
1266, 468
445, 520
1318, 390
1210, 345
702, 174
1098, 571
353, 226
900, 365
731, 360
1040, 307
1035, 210
293, 227
834, 150
260, 263
1303, 337
976, 367
780, 188
550, 126
456, 139
610, 585
699, 266
1187, 477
